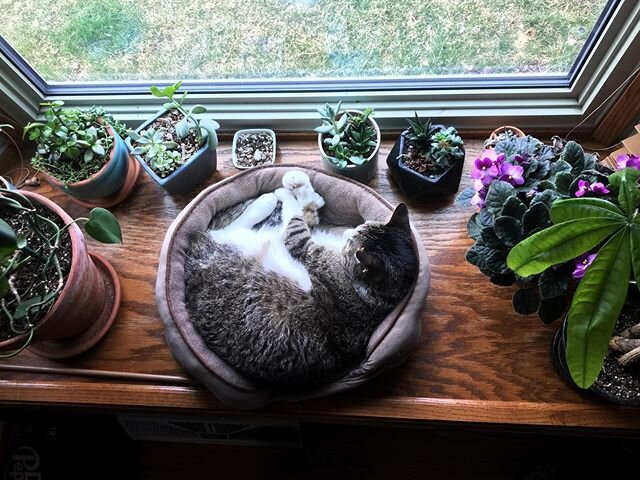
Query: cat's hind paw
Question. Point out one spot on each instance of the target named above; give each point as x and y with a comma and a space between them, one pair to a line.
295, 179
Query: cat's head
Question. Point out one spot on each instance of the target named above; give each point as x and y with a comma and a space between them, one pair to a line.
382, 255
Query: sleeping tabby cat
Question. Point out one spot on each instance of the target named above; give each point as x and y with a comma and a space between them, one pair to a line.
287, 304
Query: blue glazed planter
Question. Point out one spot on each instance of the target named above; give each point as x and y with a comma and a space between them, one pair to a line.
202, 164
107, 181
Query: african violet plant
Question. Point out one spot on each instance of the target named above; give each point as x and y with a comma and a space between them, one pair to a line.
349, 137
580, 227
72, 144
515, 186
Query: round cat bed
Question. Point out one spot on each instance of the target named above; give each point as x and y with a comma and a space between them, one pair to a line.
348, 203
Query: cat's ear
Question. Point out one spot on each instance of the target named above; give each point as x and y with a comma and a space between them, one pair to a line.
372, 266
400, 218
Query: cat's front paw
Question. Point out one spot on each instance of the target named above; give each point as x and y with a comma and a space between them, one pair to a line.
295, 179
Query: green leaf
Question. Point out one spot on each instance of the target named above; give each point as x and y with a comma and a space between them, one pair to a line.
33, 305
547, 198
573, 154
8, 238
197, 109
133, 135
504, 280
473, 228
210, 127
508, 230
156, 92
103, 226
551, 309
323, 129
563, 183
98, 149
553, 282
88, 155
595, 309
574, 208
536, 217
490, 239
629, 195
182, 128
497, 196
356, 159
513, 207
525, 301
559, 243
634, 230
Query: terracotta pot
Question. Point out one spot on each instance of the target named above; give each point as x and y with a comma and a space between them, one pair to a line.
362, 173
108, 181
416, 186
83, 298
199, 166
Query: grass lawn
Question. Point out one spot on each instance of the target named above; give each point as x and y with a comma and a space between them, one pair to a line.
68, 40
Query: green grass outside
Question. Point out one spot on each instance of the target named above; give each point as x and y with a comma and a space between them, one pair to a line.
68, 40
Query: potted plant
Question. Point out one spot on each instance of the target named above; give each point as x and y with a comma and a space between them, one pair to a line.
54, 295
81, 153
602, 232
427, 159
175, 148
349, 141
515, 186
253, 147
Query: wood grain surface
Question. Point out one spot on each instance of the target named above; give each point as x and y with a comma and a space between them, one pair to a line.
477, 361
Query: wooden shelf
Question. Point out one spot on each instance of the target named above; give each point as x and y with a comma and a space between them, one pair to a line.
477, 361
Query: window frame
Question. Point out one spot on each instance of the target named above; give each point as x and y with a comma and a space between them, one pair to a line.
536, 102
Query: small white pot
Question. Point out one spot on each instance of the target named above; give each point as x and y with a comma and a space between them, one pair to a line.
234, 156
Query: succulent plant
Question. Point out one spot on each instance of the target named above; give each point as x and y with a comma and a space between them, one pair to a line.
349, 137
446, 147
421, 133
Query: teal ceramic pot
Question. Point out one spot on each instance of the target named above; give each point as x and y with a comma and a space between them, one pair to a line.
414, 185
107, 181
201, 164
362, 173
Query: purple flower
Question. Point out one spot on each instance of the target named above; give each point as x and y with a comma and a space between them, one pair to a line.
484, 169
520, 160
583, 188
512, 174
582, 264
628, 161
480, 195
598, 188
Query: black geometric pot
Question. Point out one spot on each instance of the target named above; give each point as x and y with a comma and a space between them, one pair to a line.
559, 360
414, 185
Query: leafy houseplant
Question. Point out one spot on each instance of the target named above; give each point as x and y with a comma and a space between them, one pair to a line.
50, 287
427, 159
349, 141
82, 153
515, 186
177, 149
581, 225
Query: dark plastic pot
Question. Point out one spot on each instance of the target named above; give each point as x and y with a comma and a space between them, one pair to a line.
559, 360
414, 185
202, 164
362, 173
107, 181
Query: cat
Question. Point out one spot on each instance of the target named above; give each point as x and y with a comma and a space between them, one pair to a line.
287, 304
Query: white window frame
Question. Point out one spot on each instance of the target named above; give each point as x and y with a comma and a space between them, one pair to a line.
468, 103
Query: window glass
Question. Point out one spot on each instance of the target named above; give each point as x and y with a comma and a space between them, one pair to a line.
99, 40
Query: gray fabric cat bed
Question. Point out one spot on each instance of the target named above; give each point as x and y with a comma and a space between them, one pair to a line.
348, 203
